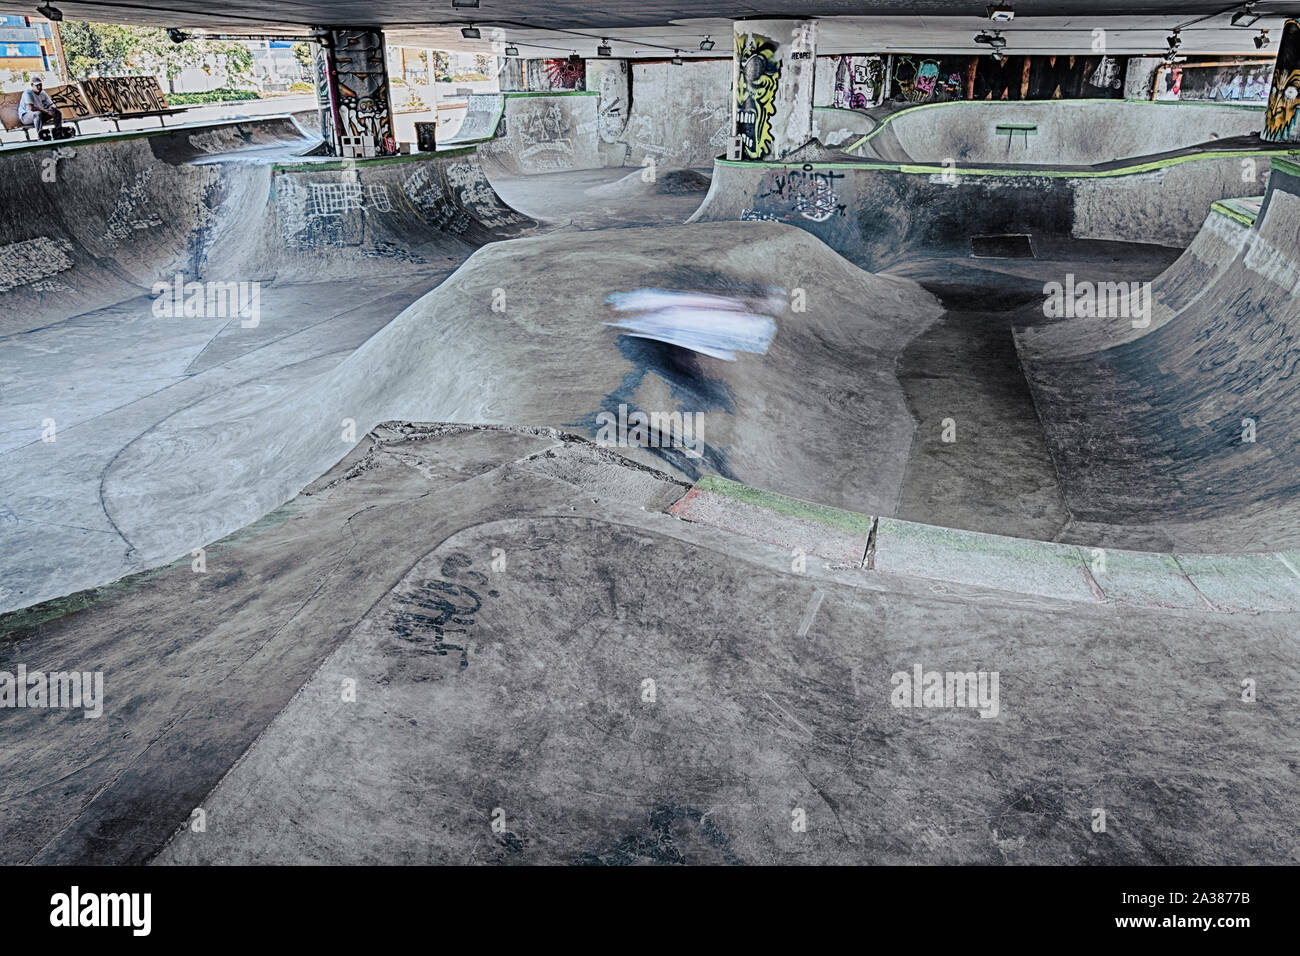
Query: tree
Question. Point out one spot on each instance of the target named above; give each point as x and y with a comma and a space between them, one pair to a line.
302, 52
106, 49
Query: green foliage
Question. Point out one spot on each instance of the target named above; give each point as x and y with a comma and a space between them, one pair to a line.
106, 49
301, 87
224, 95
302, 52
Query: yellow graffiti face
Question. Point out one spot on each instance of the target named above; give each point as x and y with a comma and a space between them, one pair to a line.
1283, 101
758, 80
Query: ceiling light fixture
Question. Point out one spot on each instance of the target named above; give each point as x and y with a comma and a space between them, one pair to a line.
470, 32
1261, 41
1246, 16
460, 4
51, 13
1001, 12
512, 50
177, 36
706, 43
677, 57
604, 49
1175, 41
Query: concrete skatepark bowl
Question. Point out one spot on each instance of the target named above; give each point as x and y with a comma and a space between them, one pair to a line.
453, 441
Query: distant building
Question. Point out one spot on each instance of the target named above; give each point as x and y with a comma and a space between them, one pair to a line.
31, 45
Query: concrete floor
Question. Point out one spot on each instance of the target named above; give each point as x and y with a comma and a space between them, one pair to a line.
559, 585
449, 634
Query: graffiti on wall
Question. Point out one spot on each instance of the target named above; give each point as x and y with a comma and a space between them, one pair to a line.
1280, 124
927, 80
361, 84
940, 79
809, 192
858, 82
556, 75
123, 94
758, 78
1230, 83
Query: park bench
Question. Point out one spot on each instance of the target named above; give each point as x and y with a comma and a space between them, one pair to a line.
113, 98
128, 97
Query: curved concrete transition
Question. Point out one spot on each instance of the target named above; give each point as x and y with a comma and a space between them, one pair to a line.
573, 494
1048, 132
1182, 434
515, 336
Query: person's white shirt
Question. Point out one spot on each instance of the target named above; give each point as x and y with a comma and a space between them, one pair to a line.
33, 101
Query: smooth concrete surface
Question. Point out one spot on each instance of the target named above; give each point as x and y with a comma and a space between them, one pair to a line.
1181, 437
445, 626
518, 695
1063, 132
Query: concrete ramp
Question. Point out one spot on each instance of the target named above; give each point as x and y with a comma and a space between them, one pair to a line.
1183, 434
209, 269
879, 214
1050, 132
544, 133
483, 113
107, 217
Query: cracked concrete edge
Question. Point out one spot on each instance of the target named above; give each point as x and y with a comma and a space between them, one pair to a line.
1227, 583
358, 461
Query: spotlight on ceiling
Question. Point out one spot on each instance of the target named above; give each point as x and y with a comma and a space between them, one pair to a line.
677, 57
1261, 41
574, 58
1246, 16
512, 50
1174, 41
604, 49
706, 43
460, 4
177, 36
1001, 12
471, 32
51, 13
995, 40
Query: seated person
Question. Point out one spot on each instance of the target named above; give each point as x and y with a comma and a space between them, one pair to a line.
36, 109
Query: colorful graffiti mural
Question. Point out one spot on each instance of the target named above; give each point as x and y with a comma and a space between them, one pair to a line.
562, 75
758, 78
858, 82
1235, 83
1280, 124
362, 108
918, 79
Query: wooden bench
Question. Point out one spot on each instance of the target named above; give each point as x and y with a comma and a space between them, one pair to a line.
76, 106
128, 97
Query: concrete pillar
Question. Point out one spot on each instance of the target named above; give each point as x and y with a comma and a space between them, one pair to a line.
355, 79
1282, 118
775, 63
612, 79
512, 75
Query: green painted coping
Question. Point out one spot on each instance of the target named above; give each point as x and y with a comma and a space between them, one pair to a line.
55, 608
977, 542
850, 521
117, 136
1224, 210
1287, 166
1227, 207
1041, 172
982, 103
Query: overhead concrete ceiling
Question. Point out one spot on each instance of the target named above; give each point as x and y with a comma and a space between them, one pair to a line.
647, 28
